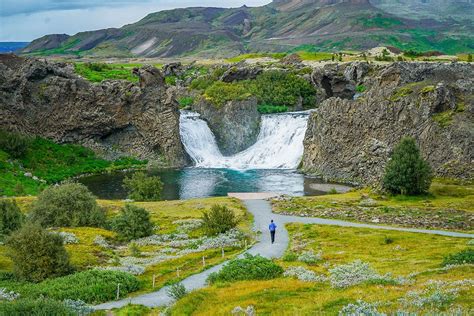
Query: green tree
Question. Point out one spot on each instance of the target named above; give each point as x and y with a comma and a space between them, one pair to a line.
219, 220
141, 187
67, 205
37, 254
11, 217
469, 58
407, 172
133, 222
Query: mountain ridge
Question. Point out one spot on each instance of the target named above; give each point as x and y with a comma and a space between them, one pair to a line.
283, 25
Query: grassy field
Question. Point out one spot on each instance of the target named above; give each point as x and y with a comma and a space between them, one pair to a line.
449, 205
51, 163
87, 253
98, 72
415, 257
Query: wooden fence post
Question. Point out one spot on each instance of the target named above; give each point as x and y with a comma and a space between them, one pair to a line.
203, 261
154, 277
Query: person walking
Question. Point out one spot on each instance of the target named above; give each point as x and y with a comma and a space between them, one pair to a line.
272, 228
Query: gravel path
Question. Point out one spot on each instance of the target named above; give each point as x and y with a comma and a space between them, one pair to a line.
262, 213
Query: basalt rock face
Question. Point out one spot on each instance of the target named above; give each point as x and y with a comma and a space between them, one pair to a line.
235, 125
351, 140
114, 118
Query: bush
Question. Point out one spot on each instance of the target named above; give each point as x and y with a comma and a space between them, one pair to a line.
14, 144
281, 88
220, 93
11, 217
462, 257
91, 286
35, 307
218, 220
247, 268
269, 109
141, 187
132, 223
67, 205
37, 254
176, 291
407, 172
185, 102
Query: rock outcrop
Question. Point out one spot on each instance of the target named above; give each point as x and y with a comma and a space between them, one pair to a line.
235, 125
351, 140
114, 117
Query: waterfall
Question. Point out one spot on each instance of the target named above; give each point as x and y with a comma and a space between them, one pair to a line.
279, 144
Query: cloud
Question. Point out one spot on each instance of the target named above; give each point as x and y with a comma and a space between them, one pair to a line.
25, 20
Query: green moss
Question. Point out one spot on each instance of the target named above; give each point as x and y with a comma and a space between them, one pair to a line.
185, 102
427, 89
401, 93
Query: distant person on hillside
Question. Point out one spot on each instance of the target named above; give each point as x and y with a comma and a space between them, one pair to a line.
272, 228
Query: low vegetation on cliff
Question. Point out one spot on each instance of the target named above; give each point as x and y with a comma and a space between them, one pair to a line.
30, 164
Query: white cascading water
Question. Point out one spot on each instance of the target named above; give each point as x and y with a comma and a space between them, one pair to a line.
279, 144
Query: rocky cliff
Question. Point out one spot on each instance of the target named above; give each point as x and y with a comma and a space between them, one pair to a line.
351, 140
235, 125
114, 118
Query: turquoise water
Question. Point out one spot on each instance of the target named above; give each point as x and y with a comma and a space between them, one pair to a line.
199, 182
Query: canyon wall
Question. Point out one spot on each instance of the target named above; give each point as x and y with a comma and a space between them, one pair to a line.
114, 118
369, 108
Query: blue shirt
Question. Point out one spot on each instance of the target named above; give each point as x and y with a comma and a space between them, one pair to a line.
272, 227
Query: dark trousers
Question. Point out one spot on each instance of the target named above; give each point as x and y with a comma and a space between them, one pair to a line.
272, 234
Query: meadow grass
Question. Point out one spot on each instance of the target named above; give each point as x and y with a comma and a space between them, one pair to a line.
448, 205
408, 253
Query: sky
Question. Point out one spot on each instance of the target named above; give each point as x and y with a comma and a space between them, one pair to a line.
25, 20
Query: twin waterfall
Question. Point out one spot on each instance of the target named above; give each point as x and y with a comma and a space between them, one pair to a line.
279, 144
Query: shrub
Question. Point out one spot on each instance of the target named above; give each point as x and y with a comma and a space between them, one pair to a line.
35, 307
218, 220
91, 286
37, 254
360, 308
141, 187
269, 109
357, 272
462, 257
407, 172
132, 223
247, 268
220, 92
281, 88
11, 217
185, 102
14, 144
67, 205
176, 291
310, 257
303, 274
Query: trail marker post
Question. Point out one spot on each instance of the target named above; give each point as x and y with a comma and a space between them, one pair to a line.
118, 290
203, 261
